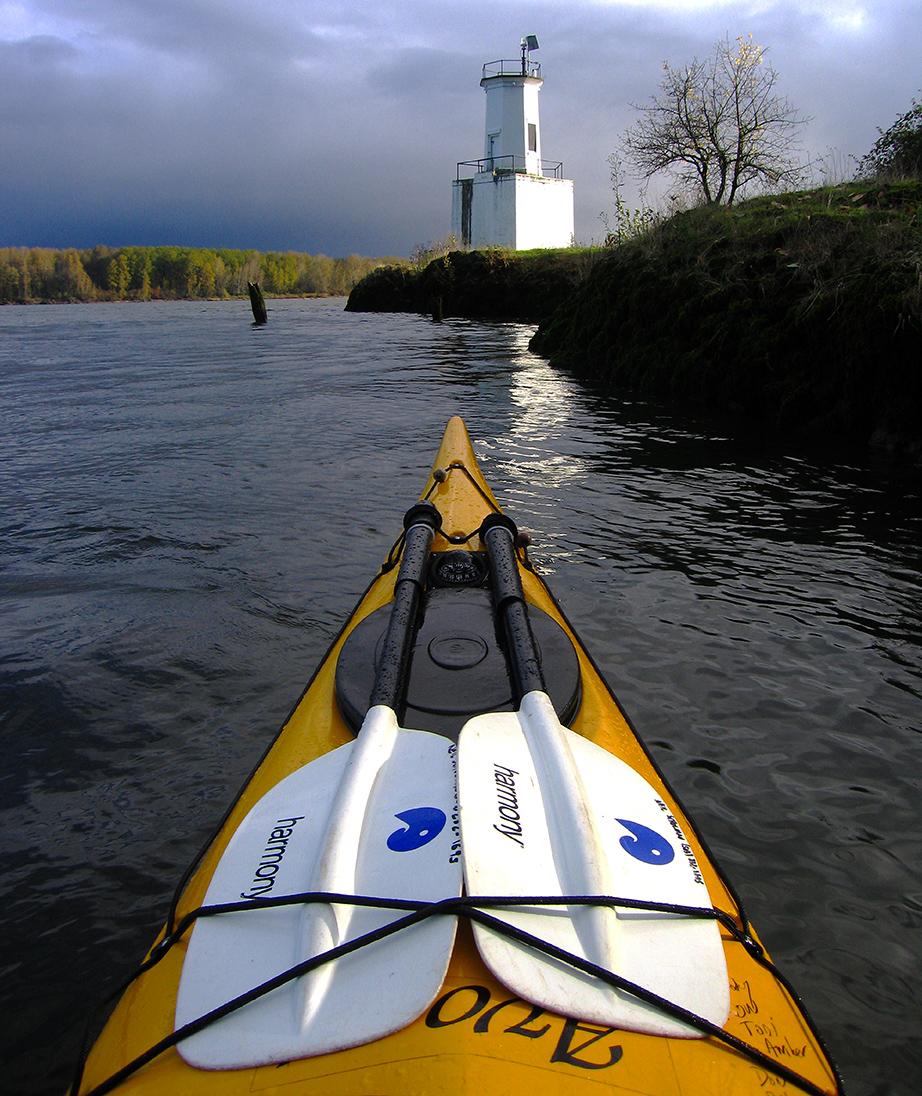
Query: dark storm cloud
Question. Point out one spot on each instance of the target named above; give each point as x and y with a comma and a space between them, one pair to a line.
322, 126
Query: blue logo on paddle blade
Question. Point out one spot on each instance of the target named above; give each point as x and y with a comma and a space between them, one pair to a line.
646, 844
424, 824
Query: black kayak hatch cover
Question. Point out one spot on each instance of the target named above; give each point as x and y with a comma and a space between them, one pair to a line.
457, 669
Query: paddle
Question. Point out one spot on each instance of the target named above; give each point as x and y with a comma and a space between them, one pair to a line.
545, 811
373, 817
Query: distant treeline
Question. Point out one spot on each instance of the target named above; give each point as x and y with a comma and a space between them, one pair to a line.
167, 273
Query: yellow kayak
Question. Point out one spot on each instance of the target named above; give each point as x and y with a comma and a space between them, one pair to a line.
502, 1015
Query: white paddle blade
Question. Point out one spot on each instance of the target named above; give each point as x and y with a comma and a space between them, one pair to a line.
520, 838
406, 846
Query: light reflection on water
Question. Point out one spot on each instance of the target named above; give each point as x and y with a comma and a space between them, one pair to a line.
190, 507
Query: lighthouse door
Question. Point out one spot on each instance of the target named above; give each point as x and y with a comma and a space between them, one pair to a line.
493, 139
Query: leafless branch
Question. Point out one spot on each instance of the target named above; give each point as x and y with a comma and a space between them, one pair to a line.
719, 125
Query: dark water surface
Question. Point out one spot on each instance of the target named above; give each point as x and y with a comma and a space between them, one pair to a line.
190, 507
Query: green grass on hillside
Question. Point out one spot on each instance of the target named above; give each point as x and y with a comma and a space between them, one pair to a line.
800, 312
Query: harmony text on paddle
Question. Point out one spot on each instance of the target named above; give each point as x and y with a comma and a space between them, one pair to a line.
271, 859
507, 804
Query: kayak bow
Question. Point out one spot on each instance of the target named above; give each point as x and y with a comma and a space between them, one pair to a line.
475, 1036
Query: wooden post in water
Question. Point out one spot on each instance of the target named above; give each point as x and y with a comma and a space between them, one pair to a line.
257, 303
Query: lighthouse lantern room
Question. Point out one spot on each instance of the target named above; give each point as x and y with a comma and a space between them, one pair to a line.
511, 197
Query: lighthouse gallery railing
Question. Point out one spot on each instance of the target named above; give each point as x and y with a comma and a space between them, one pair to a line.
507, 165
518, 67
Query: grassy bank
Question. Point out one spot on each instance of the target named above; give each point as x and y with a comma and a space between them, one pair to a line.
796, 314
494, 284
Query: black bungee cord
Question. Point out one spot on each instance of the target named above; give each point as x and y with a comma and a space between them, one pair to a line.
473, 907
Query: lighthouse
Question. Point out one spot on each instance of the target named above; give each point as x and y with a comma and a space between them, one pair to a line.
510, 196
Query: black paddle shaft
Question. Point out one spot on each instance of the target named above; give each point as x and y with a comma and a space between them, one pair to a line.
421, 522
498, 534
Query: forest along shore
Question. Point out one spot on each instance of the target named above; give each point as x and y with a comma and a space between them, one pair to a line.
33, 275
797, 314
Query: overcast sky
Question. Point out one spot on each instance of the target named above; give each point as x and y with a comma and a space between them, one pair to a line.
328, 126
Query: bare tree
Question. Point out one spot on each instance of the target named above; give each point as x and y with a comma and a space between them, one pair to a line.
719, 125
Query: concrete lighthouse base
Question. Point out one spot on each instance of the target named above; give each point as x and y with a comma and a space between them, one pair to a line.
511, 209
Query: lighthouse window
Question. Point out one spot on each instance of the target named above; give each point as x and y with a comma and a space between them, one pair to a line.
532, 137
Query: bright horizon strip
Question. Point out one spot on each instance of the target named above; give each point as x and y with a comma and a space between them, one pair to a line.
846, 16
19, 19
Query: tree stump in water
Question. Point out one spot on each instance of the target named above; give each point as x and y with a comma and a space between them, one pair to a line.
257, 303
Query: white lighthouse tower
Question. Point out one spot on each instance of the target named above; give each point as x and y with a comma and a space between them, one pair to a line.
511, 197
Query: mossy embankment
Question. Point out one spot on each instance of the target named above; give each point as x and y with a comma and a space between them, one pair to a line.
797, 314
494, 284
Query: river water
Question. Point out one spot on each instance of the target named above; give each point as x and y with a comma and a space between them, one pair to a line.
190, 507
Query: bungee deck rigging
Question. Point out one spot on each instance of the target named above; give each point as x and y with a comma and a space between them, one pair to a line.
463, 1030
475, 908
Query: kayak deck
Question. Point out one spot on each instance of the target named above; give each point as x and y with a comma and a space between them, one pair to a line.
477, 1036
